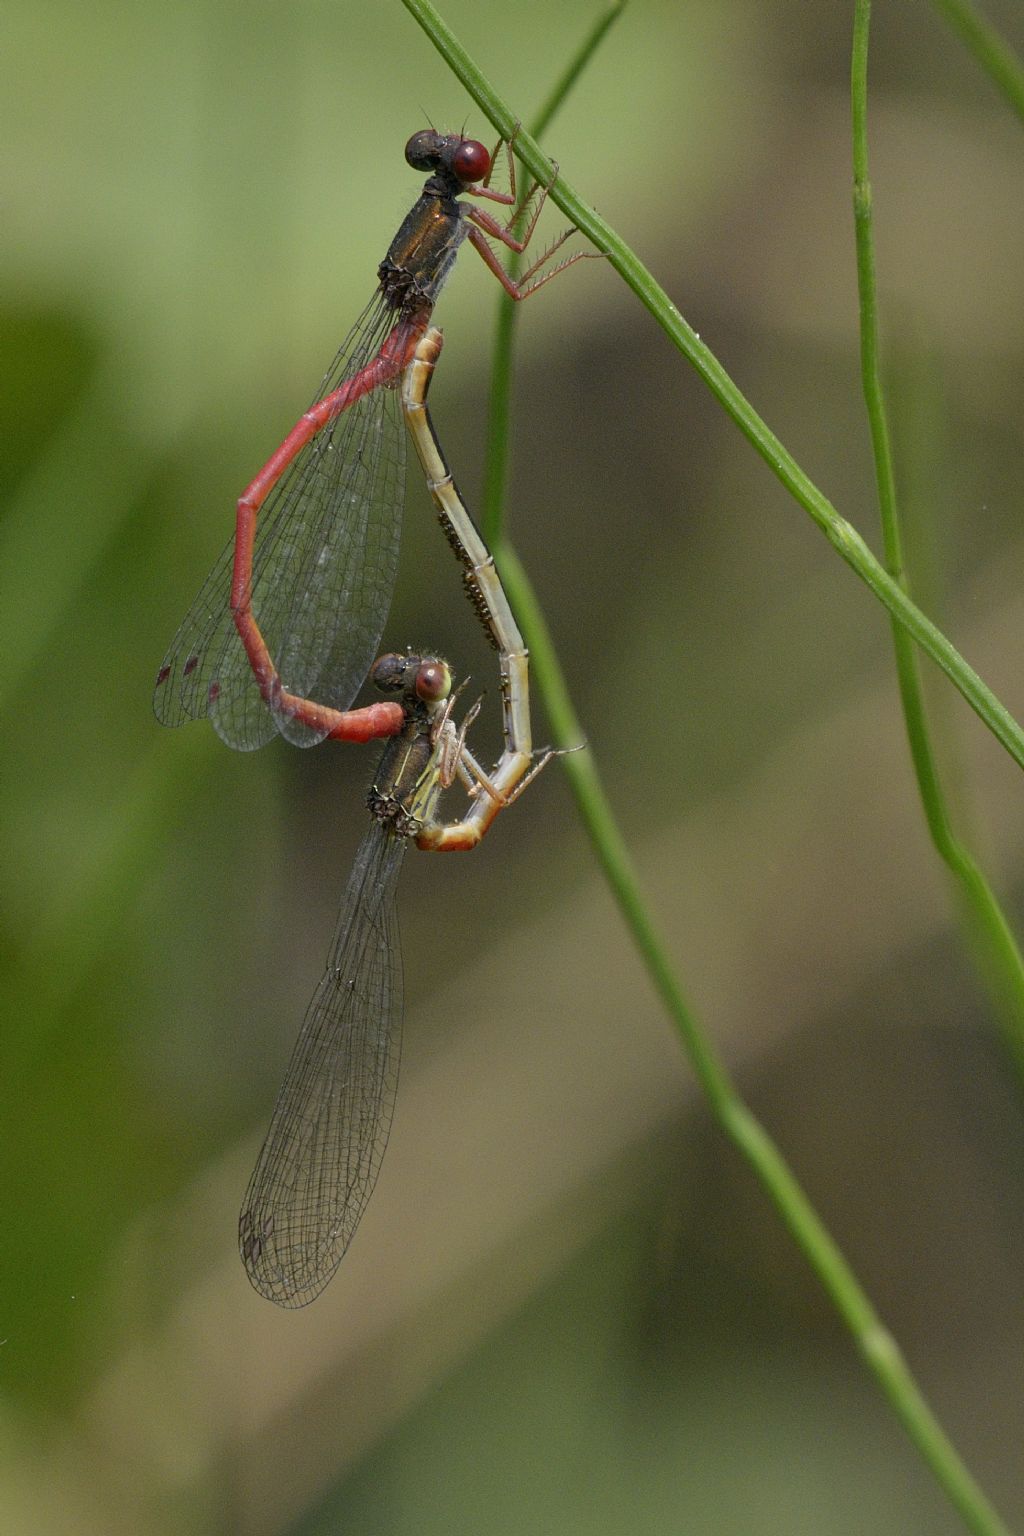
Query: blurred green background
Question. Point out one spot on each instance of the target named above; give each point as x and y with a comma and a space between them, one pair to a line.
568, 1307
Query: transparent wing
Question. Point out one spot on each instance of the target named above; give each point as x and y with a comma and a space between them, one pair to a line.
319, 1163
324, 562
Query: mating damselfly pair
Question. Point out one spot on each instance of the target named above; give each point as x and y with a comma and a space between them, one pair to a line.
278, 641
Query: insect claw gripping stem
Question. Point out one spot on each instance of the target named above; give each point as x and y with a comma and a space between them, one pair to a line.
486, 225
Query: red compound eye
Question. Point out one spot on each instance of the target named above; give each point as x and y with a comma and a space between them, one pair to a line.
471, 161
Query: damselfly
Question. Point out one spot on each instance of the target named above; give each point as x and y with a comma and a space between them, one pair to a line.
322, 1153
282, 632
320, 1160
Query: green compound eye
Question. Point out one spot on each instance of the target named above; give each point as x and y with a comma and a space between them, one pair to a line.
433, 681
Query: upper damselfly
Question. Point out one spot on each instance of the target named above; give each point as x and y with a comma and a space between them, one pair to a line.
286, 625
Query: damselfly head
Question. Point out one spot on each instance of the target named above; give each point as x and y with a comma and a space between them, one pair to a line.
465, 159
427, 679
